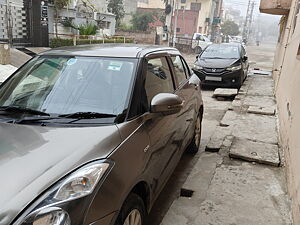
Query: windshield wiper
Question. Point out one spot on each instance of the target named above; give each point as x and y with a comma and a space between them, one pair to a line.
19, 109
87, 115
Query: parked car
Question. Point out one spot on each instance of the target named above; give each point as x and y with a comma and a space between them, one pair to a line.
222, 65
91, 134
200, 42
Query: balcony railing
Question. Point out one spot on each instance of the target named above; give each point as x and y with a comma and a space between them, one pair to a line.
276, 7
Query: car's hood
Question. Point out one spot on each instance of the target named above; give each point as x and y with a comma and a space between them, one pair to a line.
34, 157
216, 63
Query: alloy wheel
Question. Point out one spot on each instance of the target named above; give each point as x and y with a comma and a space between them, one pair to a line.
198, 132
133, 218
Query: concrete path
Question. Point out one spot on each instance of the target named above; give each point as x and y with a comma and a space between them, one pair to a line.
227, 189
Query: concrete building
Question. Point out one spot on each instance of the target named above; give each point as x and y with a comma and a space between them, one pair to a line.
12, 20
286, 72
207, 10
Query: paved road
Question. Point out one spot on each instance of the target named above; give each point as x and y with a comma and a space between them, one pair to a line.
259, 56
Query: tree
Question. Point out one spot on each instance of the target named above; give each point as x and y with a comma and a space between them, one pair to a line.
58, 5
230, 28
141, 20
116, 7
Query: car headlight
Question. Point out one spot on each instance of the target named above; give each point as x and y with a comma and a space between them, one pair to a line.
52, 207
234, 68
197, 67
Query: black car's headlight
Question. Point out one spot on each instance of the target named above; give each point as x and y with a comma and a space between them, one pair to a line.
197, 67
56, 205
234, 68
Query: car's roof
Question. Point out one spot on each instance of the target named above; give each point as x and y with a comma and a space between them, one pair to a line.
231, 44
110, 50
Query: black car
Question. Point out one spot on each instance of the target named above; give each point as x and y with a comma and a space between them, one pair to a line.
222, 65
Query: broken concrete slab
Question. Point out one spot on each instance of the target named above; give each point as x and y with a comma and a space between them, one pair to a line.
261, 101
262, 110
256, 127
225, 92
216, 140
244, 195
261, 72
255, 152
261, 85
228, 119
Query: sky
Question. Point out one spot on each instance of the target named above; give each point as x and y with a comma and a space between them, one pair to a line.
242, 6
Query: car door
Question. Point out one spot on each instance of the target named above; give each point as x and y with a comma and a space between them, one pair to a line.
186, 90
162, 130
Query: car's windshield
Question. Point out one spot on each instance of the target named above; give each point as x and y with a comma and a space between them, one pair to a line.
68, 84
221, 51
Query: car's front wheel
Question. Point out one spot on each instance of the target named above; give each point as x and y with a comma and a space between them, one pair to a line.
132, 212
193, 148
198, 49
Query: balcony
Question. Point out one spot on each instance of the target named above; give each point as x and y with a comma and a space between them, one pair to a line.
276, 7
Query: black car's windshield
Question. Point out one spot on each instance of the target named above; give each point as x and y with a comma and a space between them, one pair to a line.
68, 84
221, 51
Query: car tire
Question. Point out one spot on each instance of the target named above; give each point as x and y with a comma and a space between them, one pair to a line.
198, 49
194, 146
132, 212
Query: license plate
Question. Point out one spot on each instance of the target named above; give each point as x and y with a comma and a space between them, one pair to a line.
213, 78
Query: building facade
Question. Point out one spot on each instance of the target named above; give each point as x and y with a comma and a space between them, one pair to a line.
12, 20
286, 72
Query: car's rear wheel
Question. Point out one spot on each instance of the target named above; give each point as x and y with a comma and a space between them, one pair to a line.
132, 212
198, 49
193, 148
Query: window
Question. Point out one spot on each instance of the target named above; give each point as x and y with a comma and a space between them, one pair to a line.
178, 29
186, 68
158, 78
183, 1
179, 69
195, 6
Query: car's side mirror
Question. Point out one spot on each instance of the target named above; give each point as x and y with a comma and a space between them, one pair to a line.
166, 104
245, 58
197, 56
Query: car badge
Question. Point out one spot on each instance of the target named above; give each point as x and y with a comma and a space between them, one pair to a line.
213, 70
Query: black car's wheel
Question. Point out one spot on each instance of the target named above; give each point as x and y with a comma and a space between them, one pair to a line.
198, 49
132, 212
193, 148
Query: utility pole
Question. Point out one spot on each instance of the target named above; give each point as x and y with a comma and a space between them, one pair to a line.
250, 20
246, 22
175, 24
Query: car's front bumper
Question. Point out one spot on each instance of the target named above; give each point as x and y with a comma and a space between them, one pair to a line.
220, 79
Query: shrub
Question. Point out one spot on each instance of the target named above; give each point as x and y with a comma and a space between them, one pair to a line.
60, 42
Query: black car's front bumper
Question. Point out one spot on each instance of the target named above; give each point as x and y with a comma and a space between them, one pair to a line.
220, 77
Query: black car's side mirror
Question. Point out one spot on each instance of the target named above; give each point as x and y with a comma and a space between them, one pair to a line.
166, 104
245, 58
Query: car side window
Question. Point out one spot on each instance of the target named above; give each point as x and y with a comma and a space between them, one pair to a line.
158, 78
186, 68
179, 68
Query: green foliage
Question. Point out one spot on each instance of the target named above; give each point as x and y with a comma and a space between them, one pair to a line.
87, 29
59, 4
125, 27
230, 28
116, 7
60, 42
141, 20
